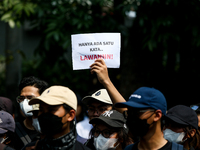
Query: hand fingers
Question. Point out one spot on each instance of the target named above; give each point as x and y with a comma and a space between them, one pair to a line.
101, 61
96, 64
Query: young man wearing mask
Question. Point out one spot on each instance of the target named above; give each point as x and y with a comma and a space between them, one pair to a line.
146, 106
29, 87
97, 103
56, 115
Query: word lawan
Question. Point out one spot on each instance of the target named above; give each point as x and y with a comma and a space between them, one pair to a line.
99, 56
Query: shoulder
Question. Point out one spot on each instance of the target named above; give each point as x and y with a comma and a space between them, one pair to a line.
132, 146
80, 146
172, 146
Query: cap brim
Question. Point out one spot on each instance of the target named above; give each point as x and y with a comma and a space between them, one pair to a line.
177, 120
2, 131
88, 99
47, 100
131, 104
107, 121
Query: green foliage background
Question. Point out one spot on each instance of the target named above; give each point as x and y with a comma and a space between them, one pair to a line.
159, 50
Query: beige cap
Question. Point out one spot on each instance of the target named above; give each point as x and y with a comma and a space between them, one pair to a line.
100, 95
56, 95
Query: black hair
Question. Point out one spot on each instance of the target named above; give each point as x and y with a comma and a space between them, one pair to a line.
33, 81
67, 107
192, 141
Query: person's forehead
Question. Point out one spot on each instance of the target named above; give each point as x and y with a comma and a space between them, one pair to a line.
97, 104
29, 91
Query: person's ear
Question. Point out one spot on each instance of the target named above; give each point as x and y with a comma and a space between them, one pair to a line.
158, 115
71, 115
192, 132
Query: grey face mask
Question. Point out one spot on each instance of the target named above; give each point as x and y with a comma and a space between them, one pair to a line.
173, 136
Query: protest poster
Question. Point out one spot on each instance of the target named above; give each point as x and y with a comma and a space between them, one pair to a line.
86, 48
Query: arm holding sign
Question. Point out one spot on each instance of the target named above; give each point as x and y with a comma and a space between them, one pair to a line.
100, 68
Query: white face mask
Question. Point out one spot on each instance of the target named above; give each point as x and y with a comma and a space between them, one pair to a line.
25, 107
36, 125
102, 143
173, 136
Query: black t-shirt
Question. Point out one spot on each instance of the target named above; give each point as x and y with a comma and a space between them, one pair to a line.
167, 146
33, 135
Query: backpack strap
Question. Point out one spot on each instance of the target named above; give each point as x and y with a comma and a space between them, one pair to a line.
22, 134
176, 146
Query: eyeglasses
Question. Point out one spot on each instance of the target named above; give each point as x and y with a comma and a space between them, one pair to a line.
106, 133
194, 107
135, 113
21, 98
98, 110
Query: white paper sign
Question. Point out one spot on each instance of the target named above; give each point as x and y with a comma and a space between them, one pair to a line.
86, 48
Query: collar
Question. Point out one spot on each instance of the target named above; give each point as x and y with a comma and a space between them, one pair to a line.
66, 141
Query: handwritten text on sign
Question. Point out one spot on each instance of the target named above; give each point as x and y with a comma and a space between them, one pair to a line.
88, 47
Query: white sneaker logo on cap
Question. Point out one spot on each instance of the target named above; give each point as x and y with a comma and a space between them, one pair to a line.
135, 95
107, 113
98, 93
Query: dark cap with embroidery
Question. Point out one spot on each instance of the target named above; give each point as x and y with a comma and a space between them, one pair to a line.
112, 118
100, 95
7, 122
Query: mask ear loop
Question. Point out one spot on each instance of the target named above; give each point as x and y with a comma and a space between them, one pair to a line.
3, 140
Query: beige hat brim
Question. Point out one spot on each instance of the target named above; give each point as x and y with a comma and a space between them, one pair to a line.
88, 99
35, 108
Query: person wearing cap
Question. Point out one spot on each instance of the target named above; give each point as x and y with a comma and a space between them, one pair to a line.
97, 103
58, 105
7, 129
146, 107
109, 132
7, 105
181, 126
29, 87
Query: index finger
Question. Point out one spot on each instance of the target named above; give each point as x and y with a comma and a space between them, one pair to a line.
101, 61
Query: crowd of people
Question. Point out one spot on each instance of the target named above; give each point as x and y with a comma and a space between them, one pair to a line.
57, 118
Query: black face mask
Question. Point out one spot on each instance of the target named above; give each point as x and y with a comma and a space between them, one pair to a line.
50, 124
138, 127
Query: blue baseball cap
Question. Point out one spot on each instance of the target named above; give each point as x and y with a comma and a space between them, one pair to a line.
146, 97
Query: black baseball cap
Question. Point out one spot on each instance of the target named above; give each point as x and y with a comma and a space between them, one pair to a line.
183, 115
112, 118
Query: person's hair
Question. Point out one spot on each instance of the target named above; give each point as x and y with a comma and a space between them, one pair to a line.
123, 137
33, 81
67, 107
192, 141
